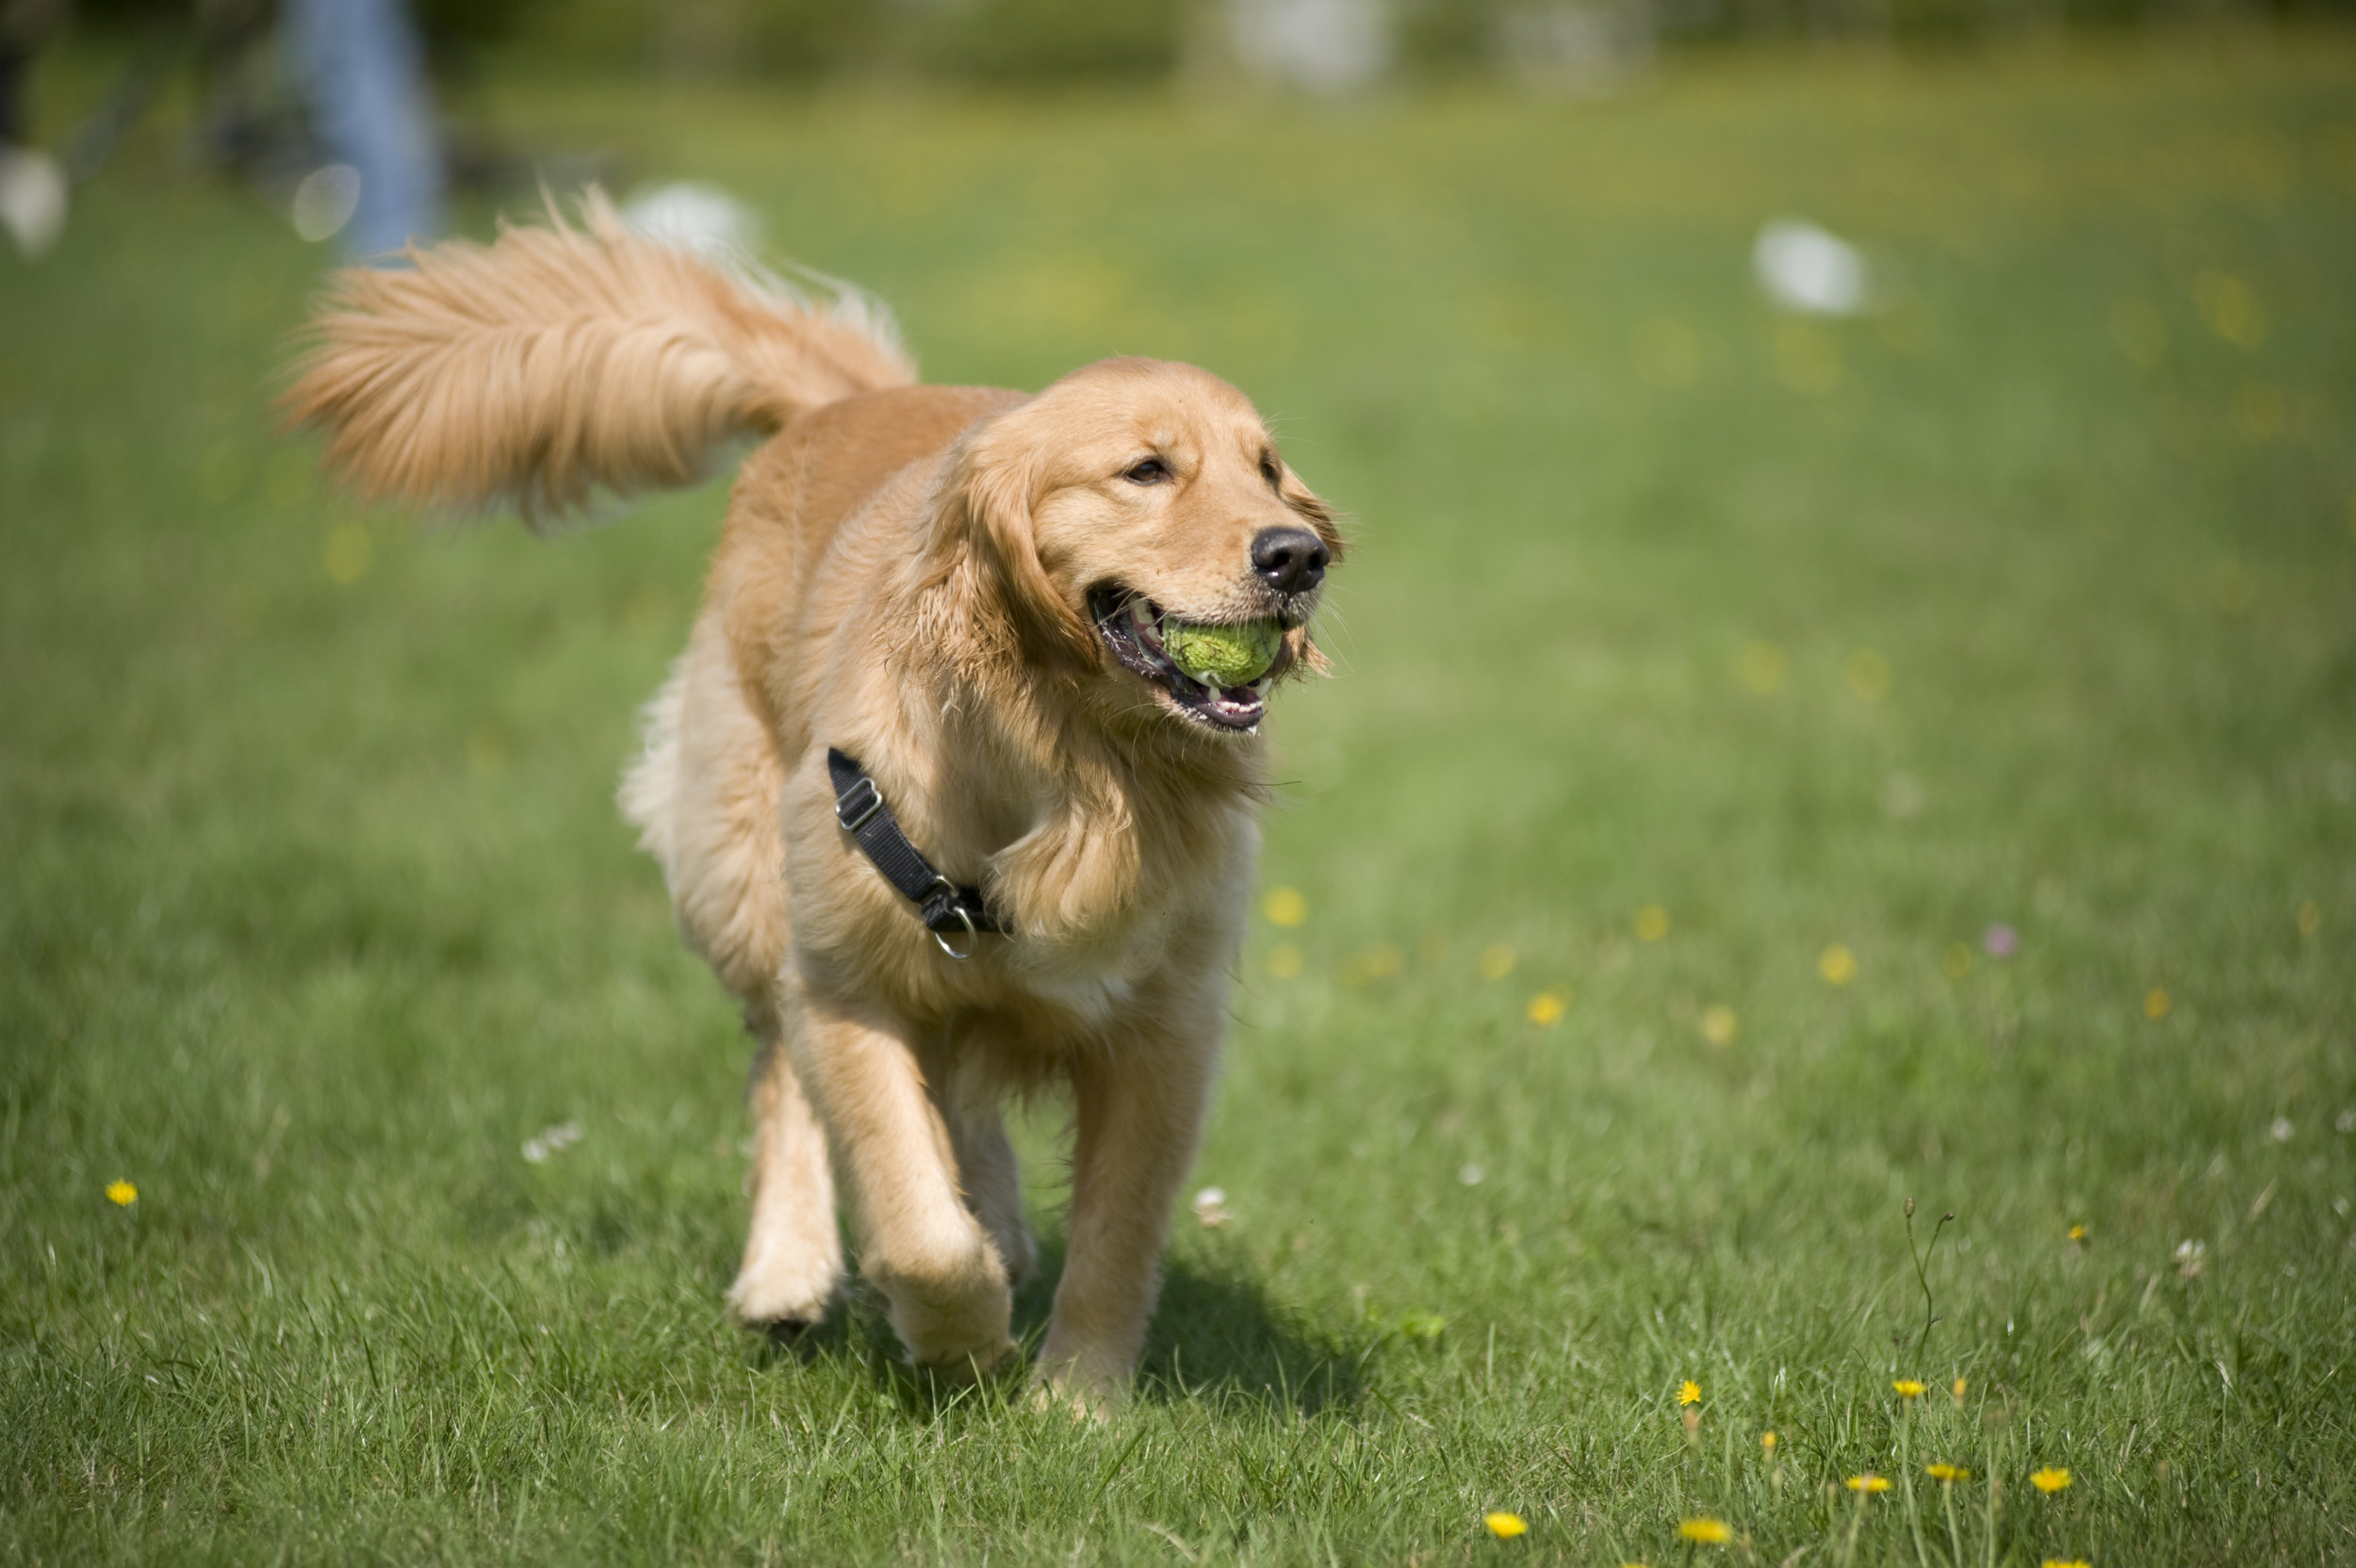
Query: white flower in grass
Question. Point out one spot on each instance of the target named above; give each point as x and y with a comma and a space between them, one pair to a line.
551, 1141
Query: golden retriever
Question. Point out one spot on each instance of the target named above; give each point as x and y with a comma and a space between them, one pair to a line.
962, 590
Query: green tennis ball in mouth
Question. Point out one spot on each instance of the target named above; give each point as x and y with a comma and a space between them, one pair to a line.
1223, 656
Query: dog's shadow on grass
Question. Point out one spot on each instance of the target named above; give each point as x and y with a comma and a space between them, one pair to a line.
1217, 1336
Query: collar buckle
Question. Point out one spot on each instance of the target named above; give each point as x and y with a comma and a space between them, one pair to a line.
854, 807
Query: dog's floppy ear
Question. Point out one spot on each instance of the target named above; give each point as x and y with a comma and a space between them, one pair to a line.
987, 503
1307, 505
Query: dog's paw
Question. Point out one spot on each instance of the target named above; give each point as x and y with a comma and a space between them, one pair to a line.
957, 1344
781, 1300
951, 1307
965, 1336
976, 1366
1084, 1398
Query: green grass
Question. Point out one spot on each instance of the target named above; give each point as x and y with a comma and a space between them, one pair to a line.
316, 907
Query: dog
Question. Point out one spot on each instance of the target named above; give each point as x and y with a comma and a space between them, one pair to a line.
928, 789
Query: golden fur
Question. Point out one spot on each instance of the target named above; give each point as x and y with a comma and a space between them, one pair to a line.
905, 572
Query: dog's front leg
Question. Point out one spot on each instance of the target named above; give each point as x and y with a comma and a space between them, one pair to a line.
1140, 1110
794, 1251
919, 1244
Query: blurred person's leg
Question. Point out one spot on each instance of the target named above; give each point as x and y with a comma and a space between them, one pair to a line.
365, 70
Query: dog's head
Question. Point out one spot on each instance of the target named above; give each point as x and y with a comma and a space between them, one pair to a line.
1132, 498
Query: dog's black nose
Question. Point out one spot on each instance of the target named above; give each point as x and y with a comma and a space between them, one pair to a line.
1291, 560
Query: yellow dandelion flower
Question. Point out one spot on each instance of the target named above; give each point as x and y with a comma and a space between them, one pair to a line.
1767, 1440
1959, 1390
1869, 1482
2051, 1479
123, 1194
1652, 923
2065, 1562
1836, 964
2077, 1232
1285, 907
1689, 1393
1505, 1526
1496, 962
1907, 1388
2156, 1004
1945, 1472
1718, 1024
1709, 1532
1547, 1007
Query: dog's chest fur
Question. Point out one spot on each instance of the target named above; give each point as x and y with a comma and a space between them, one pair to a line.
1109, 919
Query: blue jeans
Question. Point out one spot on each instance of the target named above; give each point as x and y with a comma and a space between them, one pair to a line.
365, 72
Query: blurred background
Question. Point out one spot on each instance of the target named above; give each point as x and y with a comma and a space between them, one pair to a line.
1311, 44
265, 87
1846, 691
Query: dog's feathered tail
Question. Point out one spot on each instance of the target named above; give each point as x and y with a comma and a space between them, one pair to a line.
564, 361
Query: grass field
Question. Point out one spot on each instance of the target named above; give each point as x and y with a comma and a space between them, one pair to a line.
1711, 685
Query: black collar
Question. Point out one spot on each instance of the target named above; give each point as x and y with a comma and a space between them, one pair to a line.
946, 909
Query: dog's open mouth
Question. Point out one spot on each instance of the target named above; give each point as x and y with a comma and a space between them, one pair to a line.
1133, 627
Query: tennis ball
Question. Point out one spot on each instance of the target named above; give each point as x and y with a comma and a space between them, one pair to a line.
1223, 656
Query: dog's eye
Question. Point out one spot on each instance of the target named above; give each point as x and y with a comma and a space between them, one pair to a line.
1152, 471
1270, 472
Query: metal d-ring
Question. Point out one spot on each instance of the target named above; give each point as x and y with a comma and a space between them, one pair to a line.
957, 907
